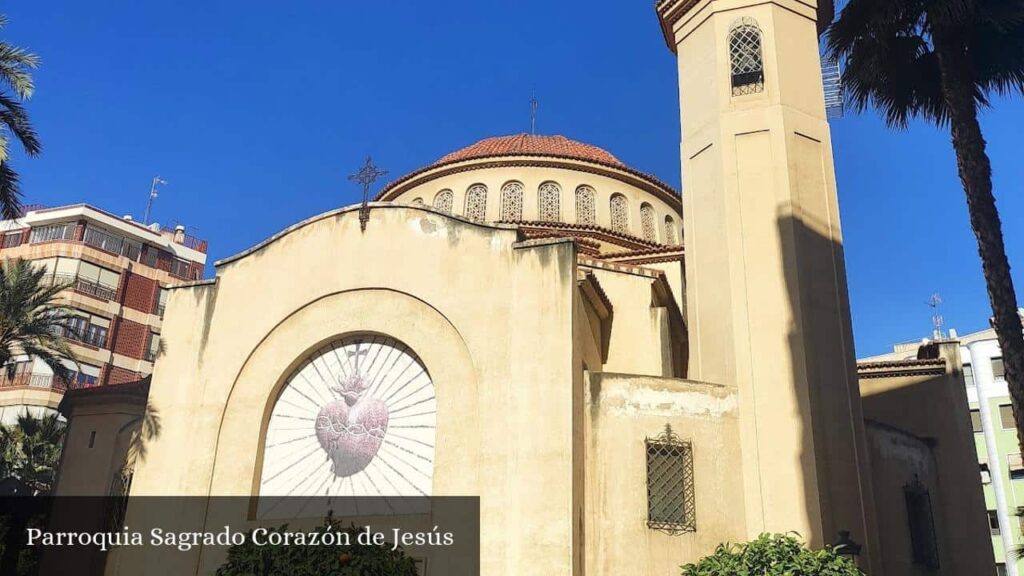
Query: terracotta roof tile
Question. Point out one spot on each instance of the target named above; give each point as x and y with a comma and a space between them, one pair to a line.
532, 145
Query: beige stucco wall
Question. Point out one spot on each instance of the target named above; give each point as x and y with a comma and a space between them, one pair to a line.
621, 412
450, 289
934, 408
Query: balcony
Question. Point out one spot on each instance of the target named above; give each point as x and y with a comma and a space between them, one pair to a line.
87, 286
44, 382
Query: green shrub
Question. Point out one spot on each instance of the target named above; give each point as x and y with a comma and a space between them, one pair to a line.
248, 559
772, 555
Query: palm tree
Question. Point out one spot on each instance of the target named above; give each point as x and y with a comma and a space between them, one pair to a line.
33, 448
15, 66
31, 322
941, 60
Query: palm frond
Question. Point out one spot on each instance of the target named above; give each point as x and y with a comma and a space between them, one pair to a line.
15, 118
15, 64
10, 192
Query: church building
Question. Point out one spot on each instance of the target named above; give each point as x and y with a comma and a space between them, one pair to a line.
625, 375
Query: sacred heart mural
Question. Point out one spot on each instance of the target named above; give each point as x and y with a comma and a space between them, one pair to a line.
357, 419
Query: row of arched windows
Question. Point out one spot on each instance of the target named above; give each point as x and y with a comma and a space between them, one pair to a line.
549, 196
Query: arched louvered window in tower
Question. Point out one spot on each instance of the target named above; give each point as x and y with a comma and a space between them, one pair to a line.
746, 61
548, 196
670, 231
476, 202
620, 213
647, 225
586, 210
511, 202
443, 201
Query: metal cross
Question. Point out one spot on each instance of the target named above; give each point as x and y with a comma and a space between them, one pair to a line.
355, 355
366, 176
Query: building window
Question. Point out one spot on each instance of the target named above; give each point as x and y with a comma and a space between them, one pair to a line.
670, 231
968, 375
417, 201
1015, 464
443, 201
476, 203
976, 421
993, 523
90, 279
153, 346
647, 222
511, 202
620, 213
52, 232
998, 371
161, 303
131, 250
586, 205
1006, 416
922, 524
745, 58
86, 376
180, 268
87, 329
548, 196
103, 240
670, 495
986, 474
12, 239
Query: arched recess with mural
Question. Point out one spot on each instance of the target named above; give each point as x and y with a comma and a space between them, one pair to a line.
415, 332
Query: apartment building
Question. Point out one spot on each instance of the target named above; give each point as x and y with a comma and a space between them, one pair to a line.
118, 271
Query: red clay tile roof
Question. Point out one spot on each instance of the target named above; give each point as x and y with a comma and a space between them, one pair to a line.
532, 145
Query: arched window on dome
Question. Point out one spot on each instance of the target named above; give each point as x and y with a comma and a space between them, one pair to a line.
647, 225
746, 62
586, 210
417, 201
548, 196
443, 201
670, 231
511, 202
620, 213
476, 203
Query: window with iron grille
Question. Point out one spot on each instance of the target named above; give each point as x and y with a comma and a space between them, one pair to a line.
619, 208
745, 57
922, 524
548, 196
670, 495
586, 209
647, 227
670, 231
443, 201
12, 239
511, 202
476, 203
103, 240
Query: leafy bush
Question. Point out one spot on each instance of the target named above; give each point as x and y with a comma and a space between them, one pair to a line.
248, 559
772, 555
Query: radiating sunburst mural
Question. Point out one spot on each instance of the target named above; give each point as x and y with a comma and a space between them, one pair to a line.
357, 419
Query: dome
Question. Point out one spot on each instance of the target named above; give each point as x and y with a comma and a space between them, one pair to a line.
532, 145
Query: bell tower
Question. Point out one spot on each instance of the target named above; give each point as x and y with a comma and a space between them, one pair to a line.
767, 301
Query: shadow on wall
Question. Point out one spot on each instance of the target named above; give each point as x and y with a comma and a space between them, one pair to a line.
820, 344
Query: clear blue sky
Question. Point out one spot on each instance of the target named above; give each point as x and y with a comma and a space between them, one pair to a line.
255, 112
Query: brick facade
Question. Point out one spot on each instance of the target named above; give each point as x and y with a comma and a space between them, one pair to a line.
118, 375
140, 293
130, 338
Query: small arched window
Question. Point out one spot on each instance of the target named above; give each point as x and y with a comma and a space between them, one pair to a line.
620, 213
647, 225
746, 61
511, 202
417, 201
548, 196
476, 203
443, 201
586, 211
670, 231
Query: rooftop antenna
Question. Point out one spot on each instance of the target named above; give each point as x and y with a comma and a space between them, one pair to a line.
935, 303
152, 196
533, 114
